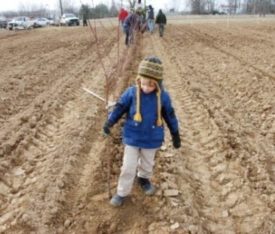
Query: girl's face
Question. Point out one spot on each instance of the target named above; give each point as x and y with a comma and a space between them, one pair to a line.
147, 85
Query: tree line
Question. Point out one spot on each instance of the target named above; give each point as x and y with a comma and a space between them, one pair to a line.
99, 11
261, 7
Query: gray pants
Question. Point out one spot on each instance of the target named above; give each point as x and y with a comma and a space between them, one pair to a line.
161, 29
135, 160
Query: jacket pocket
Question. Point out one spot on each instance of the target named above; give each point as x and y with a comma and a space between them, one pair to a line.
157, 133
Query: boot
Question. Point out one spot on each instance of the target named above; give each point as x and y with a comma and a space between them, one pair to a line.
146, 186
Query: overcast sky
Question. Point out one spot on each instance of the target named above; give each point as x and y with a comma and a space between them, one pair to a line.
14, 5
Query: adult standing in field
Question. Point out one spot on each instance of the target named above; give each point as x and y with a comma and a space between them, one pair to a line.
131, 23
161, 21
85, 22
122, 16
85, 13
150, 19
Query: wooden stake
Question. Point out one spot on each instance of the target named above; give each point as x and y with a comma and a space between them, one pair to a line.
94, 94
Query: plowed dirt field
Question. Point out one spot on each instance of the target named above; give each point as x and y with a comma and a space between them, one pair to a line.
54, 161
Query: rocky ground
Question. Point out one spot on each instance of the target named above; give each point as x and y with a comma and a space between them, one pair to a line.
54, 161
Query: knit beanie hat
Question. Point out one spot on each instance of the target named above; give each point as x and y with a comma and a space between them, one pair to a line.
150, 68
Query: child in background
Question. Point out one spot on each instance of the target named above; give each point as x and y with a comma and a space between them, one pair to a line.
145, 106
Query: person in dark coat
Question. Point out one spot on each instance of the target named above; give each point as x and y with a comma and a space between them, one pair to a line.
85, 23
161, 21
146, 105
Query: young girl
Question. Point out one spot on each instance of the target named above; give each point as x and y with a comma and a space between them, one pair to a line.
145, 105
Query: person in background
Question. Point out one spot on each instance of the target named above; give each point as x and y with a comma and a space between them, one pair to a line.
161, 21
132, 23
150, 19
122, 16
146, 105
85, 23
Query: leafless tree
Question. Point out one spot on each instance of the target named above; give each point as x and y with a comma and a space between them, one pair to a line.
113, 9
197, 6
132, 3
31, 10
67, 6
176, 4
209, 5
233, 6
261, 7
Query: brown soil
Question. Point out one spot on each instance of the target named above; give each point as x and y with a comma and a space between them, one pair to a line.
54, 161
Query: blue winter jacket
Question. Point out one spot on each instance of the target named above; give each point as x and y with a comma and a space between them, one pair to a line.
145, 134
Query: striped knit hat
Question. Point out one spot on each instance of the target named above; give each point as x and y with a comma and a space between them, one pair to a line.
150, 68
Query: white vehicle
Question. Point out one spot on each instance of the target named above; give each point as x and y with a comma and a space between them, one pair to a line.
69, 20
40, 22
52, 21
21, 22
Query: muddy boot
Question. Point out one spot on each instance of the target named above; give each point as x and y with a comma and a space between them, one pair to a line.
117, 200
146, 186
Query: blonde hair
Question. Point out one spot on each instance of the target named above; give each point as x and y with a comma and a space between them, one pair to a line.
137, 116
149, 68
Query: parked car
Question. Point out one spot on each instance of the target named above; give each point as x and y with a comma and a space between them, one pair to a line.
21, 22
40, 22
3, 22
69, 19
51, 20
